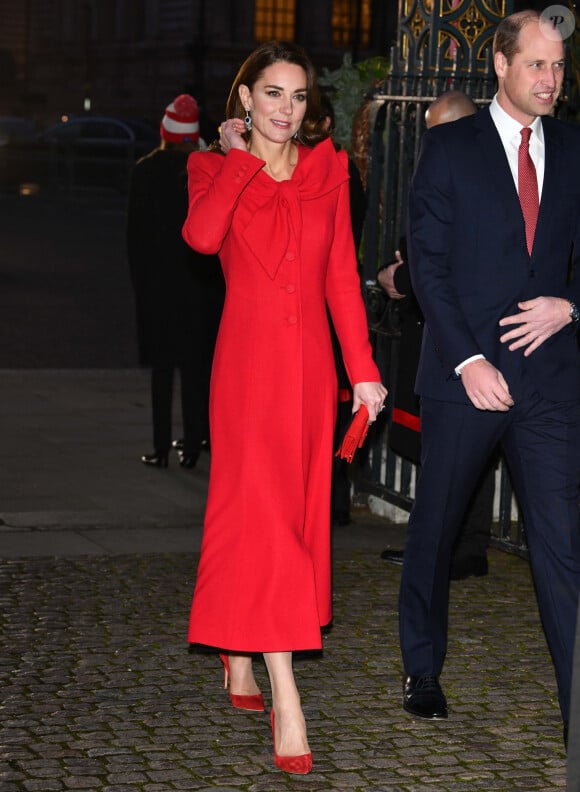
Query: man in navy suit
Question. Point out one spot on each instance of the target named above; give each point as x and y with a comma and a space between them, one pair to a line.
499, 359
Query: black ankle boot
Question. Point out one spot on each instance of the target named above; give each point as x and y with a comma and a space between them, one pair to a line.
155, 459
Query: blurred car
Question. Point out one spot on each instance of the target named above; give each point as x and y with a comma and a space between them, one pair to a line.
92, 152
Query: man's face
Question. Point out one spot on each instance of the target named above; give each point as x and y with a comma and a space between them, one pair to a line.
529, 86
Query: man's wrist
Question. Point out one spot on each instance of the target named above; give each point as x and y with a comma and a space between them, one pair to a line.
461, 366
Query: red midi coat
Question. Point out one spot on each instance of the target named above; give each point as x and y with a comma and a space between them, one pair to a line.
286, 249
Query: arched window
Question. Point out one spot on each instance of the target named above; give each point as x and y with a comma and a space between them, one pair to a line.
274, 19
351, 23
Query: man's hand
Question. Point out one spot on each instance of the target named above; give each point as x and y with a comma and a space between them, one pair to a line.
386, 277
539, 319
486, 387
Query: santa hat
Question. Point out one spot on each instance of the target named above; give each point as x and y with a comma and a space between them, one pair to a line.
180, 124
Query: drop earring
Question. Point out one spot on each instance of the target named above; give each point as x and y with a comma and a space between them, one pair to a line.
248, 121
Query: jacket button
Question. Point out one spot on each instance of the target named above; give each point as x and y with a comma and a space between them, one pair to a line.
292, 320
290, 288
290, 255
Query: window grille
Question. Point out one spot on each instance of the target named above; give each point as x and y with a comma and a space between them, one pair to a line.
351, 23
274, 19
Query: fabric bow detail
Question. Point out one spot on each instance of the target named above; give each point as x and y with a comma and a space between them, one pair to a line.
269, 232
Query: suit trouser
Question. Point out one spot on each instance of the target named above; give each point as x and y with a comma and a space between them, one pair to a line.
475, 531
541, 442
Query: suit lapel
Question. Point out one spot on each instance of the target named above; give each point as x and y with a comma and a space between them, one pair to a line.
496, 166
553, 151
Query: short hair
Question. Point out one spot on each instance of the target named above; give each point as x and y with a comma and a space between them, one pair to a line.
507, 34
310, 132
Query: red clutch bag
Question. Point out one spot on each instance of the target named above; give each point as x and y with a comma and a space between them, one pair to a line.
355, 434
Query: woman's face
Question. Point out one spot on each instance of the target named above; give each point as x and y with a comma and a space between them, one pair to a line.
277, 102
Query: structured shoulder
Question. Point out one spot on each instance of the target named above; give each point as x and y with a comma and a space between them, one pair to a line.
205, 161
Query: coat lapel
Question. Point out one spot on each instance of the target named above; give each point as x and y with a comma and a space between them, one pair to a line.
496, 165
551, 187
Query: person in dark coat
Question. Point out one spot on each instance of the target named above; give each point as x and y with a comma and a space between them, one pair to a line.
178, 292
470, 551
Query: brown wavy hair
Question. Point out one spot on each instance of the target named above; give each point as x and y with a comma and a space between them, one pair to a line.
311, 130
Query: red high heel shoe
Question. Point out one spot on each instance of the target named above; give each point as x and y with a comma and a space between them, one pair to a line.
299, 765
253, 703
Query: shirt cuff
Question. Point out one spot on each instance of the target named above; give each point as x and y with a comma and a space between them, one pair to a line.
465, 362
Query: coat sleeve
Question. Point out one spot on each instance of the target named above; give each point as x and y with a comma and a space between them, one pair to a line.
343, 294
430, 244
215, 183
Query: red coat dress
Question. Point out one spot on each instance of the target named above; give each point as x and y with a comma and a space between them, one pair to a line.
263, 582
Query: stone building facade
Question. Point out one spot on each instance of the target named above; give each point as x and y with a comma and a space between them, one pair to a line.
131, 57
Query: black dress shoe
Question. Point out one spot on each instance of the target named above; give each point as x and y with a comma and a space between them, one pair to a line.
394, 556
467, 567
423, 697
155, 460
178, 444
188, 461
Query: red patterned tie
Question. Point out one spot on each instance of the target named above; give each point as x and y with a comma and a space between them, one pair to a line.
528, 187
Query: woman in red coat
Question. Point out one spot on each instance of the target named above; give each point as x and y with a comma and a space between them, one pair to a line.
276, 209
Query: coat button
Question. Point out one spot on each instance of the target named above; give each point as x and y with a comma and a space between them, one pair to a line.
290, 288
290, 255
292, 320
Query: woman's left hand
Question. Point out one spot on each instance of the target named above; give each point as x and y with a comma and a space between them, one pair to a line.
372, 395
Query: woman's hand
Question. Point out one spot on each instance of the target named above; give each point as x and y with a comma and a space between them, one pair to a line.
372, 395
231, 132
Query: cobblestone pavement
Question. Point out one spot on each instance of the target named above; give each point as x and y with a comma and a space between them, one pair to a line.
101, 692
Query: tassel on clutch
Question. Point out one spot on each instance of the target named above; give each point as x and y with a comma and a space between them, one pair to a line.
355, 434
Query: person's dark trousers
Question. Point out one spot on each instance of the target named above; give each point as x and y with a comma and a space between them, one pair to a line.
161, 403
573, 762
541, 442
194, 407
473, 538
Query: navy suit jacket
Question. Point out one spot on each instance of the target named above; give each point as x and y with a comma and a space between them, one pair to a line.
469, 262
